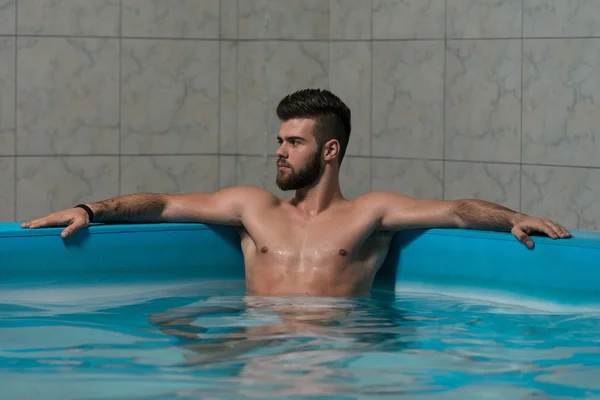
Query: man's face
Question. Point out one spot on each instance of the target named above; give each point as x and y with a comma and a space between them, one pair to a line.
298, 156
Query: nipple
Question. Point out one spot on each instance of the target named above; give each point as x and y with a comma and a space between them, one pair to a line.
343, 252
264, 249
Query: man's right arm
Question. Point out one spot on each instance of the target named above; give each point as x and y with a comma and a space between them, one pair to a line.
225, 207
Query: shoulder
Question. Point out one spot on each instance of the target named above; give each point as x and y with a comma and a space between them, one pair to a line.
250, 195
382, 199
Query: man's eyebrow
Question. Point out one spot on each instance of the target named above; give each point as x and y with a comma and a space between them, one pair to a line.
292, 138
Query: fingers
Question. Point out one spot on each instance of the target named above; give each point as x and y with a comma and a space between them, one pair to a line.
523, 237
73, 227
550, 228
560, 232
546, 227
72, 220
48, 221
565, 231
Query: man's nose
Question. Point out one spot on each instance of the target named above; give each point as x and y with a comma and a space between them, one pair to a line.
280, 152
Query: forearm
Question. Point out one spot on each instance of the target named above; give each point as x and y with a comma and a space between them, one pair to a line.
483, 215
132, 208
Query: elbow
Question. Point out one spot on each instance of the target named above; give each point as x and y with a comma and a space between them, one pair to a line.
458, 211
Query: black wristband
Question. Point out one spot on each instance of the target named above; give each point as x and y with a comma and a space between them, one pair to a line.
88, 210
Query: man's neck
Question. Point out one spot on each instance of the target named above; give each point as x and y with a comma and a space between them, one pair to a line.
316, 199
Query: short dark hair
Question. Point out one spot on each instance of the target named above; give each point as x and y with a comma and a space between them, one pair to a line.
331, 114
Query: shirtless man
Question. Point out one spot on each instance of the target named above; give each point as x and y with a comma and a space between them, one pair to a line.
318, 243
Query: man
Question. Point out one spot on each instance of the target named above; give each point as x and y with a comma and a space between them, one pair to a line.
317, 243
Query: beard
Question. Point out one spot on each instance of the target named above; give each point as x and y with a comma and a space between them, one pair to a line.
307, 176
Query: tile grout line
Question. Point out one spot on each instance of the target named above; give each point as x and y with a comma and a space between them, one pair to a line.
120, 114
272, 156
237, 120
372, 51
219, 64
431, 39
15, 114
444, 100
521, 130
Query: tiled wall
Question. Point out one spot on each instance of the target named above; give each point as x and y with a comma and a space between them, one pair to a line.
489, 99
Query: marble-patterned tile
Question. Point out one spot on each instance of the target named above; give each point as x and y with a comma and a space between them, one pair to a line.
68, 96
350, 79
408, 19
259, 172
7, 96
169, 174
68, 17
566, 195
484, 18
416, 178
7, 189
7, 17
483, 100
355, 176
560, 101
229, 19
350, 20
50, 184
227, 171
228, 105
170, 97
561, 18
408, 99
290, 19
172, 19
268, 71
497, 183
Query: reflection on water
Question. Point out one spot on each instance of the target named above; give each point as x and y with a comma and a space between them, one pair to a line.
224, 344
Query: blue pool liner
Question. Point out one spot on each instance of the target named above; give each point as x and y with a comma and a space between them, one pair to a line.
451, 261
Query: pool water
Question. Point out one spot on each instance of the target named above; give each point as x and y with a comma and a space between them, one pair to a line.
192, 340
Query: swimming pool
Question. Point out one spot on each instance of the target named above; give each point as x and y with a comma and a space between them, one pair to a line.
159, 311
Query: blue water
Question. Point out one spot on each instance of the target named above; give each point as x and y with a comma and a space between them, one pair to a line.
208, 340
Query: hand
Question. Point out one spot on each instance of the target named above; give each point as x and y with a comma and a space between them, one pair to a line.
526, 225
73, 218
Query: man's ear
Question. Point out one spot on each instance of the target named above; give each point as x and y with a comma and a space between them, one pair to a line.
331, 149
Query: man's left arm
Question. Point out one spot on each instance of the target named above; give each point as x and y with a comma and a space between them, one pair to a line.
399, 212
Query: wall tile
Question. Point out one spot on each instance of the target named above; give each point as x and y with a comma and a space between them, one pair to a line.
408, 91
50, 184
483, 100
415, 178
350, 79
170, 96
355, 177
291, 19
7, 17
568, 196
227, 171
268, 71
350, 19
484, 18
228, 106
68, 96
169, 174
229, 19
7, 96
259, 172
7, 189
171, 18
497, 183
561, 18
408, 19
561, 93
68, 17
